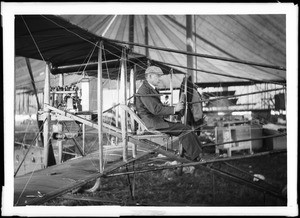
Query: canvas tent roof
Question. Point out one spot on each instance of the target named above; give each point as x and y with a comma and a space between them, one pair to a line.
48, 38
257, 38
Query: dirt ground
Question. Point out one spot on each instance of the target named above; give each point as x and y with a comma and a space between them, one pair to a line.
169, 188
197, 187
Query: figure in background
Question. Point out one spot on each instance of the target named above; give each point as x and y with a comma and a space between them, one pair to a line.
194, 115
152, 111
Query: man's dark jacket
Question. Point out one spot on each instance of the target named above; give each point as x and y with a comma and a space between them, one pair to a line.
150, 109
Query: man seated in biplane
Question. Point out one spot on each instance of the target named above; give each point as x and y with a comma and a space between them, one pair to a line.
151, 110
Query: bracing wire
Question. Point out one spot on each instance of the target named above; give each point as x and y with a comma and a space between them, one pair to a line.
37, 47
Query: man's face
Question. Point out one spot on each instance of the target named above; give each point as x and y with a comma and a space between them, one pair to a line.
154, 79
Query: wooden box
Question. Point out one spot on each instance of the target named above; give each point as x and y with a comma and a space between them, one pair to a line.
274, 143
236, 133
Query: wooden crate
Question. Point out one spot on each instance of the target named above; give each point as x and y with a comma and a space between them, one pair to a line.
277, 143
235, 133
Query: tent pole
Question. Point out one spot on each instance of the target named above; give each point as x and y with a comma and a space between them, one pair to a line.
123, 89
190, 61
189, 45
100, 106
131, 30
146, 36
195, 48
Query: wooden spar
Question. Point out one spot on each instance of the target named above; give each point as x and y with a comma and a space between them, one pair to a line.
46, 127
118, 99
132, 101
171, 90
60, 142
100, 106
117, 113
171, 100
123, 88
32, 82
146, 35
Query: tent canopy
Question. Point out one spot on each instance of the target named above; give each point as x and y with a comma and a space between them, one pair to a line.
71, 40
70, 49
257, 38
51, 38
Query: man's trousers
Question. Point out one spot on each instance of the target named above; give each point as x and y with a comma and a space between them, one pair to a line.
190, 142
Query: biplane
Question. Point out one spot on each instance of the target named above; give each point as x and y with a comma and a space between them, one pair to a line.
68, 49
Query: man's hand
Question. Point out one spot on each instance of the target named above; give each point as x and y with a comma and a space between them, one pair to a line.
179, 107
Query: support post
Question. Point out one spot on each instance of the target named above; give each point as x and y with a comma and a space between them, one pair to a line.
100, 106
118, 99
117, 111
132, 101
60, 142
46, 126
171, 101
123, 88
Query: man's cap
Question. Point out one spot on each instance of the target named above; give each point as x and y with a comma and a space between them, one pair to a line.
154, 69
